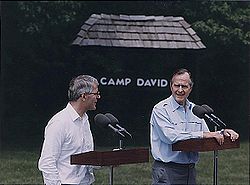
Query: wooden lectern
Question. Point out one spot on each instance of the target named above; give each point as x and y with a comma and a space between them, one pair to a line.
203, 145
111, 158
208, 144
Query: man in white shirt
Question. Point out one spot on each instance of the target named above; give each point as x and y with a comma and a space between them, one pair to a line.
67, 133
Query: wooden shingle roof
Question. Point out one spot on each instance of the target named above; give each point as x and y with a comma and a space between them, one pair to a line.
138, 31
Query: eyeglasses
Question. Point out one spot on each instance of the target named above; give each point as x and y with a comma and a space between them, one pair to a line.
96, 93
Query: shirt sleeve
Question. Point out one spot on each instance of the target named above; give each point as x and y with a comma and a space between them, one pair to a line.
166, 130
54, 137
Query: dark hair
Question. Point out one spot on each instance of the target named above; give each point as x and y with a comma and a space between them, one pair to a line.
180, 72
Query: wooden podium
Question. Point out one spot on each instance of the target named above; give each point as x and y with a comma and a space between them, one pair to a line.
203, 145
208, 144
111, 158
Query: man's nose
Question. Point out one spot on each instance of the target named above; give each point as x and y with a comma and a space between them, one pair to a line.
180, 88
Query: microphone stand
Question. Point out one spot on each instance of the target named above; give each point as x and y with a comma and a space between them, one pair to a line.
121, 136
111, 175
111, 172
215, 179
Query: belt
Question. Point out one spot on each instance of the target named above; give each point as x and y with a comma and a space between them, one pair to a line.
173, 164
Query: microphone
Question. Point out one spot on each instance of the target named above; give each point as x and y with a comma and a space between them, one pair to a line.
201, 112
105, 122
114, 122
210, 110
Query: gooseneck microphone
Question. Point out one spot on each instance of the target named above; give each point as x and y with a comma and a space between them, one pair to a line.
103, 121
115, 122
211, 111
202, 113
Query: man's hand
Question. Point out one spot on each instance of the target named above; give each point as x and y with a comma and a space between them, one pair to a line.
219, 137
231, 133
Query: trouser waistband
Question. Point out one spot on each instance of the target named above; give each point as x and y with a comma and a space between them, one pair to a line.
173, 164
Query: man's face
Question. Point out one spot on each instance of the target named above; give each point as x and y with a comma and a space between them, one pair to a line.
91, 98
181, 88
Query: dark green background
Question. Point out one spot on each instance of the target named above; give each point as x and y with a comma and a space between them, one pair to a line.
37, 63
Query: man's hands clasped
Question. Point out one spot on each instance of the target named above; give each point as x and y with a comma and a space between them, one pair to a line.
231, 133
219, 136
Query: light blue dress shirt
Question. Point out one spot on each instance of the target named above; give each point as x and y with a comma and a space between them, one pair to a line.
170, 123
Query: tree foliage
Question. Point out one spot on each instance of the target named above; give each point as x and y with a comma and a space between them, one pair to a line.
226, 22
38, 61
37, 16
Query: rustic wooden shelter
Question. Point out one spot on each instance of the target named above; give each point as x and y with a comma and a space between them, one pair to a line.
140, 49
138, 31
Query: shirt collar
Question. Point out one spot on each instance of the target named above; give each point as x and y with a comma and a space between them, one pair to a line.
176, 105
74, 115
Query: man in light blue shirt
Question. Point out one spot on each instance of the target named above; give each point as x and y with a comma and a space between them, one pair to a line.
172, 120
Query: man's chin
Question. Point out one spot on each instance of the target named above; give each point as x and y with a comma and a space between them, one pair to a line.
180, 100
92, 108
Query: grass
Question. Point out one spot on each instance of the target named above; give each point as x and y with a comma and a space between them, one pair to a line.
20, 167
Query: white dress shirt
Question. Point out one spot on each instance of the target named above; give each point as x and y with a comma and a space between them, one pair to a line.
66, 134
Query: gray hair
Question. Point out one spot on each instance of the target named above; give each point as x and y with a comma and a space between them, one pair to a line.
80, 85
180, 72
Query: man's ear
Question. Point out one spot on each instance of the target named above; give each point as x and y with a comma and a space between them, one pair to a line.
83, 97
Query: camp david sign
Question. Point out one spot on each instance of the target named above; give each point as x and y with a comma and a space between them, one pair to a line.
138, 82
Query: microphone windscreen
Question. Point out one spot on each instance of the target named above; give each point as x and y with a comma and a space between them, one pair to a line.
101, 120
112, 118
199, 111
209, 109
